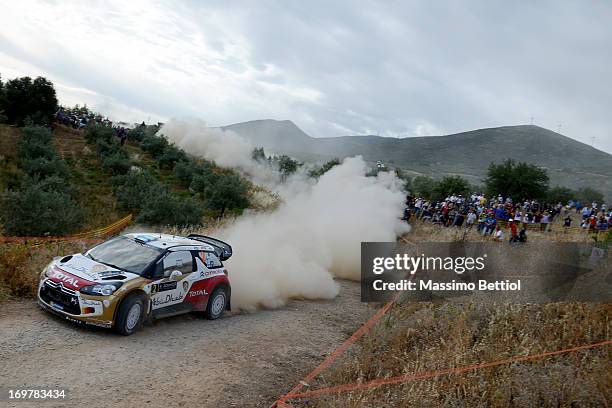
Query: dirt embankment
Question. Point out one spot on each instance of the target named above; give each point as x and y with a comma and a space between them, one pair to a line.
242, 360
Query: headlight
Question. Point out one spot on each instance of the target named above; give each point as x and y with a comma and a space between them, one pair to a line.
46, 271
104, 289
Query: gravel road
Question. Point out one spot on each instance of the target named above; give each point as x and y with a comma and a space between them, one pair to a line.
242, 360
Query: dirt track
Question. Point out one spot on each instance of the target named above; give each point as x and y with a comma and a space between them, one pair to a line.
242, 360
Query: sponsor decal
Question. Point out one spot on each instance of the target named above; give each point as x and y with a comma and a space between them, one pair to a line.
185, 285
97, 268
104, 274
169, 298
195, 293
209, 274
65, 278
87, 302
106, 325
74, 320
162, 287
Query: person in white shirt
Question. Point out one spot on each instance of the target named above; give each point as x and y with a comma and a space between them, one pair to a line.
499, 234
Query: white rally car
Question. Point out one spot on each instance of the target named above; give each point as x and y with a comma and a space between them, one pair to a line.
128, 279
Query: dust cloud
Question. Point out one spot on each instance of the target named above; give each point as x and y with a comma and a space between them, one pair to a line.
314, 236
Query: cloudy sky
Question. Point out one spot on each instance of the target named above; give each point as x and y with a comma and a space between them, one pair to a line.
396, 69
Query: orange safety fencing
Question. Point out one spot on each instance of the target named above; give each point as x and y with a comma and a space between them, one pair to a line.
87, 235
295, 393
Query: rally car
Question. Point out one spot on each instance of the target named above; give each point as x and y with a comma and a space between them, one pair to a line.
138, 277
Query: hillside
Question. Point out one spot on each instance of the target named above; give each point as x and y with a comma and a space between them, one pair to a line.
468, 154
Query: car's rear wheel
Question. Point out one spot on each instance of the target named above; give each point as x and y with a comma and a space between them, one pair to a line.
217, 302
130, 314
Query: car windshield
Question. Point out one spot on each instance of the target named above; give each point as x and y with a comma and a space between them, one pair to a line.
126, 254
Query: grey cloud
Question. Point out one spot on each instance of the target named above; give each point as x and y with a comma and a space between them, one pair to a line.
395, 68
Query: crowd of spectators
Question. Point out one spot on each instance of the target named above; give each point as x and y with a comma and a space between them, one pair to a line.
489, 215
79, 118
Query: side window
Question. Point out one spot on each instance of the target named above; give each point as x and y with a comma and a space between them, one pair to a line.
178, 261
210, 259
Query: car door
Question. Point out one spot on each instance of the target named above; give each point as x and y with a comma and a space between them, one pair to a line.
209, 270
172, 282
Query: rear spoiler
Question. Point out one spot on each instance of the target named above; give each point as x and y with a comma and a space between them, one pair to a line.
222, 249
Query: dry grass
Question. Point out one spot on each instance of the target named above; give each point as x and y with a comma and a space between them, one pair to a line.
21, 265
421, 337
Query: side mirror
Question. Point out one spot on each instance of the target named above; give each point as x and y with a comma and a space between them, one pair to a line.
175, 275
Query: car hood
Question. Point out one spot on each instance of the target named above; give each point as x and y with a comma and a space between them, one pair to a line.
92, 271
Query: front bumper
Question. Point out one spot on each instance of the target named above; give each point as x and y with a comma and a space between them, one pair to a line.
75, 307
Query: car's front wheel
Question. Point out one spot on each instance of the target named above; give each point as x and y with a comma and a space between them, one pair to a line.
217, 302
130, 314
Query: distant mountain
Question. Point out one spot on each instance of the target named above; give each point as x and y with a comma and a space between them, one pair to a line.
569, 162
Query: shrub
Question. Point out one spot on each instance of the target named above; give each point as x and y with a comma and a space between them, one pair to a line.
516, 180
560, 195
226, 191
35, 212
319, 171
35, 142
95, 132
154, 145
171, 156
25, 98
450, 185
42, 168
587, 195
136, 188
167, 209
184, 171
258, 154
203, 177
117, 163
52, 183
423, 186
287, 166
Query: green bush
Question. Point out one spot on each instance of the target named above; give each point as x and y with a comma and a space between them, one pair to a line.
136, 188
319, 171
450, 185
154, 145
24, 99
184, 171
258, 154
171, 156
226, 191
167, 209
587, 195
42, 168
516, 180
561, 195
203, 177
95, 132
36, 142
287, 166
36, 212
423, 186
51, 184
117, 163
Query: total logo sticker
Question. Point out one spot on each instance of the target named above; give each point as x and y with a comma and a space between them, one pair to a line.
195, 293
65, 278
